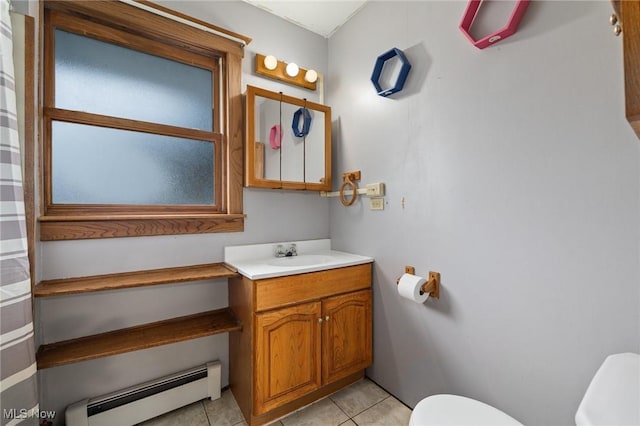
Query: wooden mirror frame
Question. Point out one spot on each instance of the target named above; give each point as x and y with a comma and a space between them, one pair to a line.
251, 147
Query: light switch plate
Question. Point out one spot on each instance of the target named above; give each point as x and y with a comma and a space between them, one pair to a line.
376, 203
375, 189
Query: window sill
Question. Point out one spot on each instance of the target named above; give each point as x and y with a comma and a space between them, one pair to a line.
56, 228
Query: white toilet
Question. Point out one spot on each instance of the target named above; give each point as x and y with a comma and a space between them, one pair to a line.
612, 398
450, 410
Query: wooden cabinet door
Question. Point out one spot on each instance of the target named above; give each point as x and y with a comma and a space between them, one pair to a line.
631, 45
346, 335
287, 356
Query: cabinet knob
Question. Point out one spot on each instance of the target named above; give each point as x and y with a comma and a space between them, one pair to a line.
326, 318
319, 319
617, 29
613, 19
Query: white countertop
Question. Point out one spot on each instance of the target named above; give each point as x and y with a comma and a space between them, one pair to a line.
257, 261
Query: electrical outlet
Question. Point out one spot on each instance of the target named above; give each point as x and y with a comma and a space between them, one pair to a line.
375, 189
376, 203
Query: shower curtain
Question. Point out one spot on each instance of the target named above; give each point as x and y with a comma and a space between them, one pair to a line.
18, 393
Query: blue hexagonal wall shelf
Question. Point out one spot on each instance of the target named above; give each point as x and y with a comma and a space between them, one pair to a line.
402, 75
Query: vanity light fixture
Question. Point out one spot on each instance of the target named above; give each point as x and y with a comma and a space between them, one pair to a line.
270, 62
291, 73
292, 69
311, 76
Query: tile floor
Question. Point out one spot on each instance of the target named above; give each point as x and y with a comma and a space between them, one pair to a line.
363, 403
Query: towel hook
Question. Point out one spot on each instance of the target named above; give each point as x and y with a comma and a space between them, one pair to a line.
348, 179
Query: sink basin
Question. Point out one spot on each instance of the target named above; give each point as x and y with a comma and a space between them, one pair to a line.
257, 261
301, 260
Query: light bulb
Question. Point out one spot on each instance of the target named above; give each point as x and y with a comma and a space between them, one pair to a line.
311, 76
292, 69
270, 62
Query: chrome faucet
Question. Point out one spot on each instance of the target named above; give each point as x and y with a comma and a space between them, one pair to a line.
282, 251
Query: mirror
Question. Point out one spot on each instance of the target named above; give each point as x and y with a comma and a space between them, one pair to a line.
292, 150
315, 153
268, 167
288, 142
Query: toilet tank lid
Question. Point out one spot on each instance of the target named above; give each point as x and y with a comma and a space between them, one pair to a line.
613, 397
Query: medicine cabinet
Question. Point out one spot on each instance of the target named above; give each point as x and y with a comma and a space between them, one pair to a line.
288, 143
631, 51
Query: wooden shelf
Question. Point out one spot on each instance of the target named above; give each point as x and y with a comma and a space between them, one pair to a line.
133, 279
138, 337
141, 336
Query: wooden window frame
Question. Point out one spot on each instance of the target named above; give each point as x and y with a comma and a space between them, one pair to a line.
126, 25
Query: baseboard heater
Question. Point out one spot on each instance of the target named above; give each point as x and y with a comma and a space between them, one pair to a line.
147, 400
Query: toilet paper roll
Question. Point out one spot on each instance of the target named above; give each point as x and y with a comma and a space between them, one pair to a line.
409, 288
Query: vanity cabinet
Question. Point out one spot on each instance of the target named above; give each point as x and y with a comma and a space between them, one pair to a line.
288, 356
304, 337
346, 335
275, 157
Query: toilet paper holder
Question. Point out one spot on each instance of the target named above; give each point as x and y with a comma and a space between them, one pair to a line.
432, 286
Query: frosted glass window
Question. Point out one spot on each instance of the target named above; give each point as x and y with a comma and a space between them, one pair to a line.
96, 165
103, 78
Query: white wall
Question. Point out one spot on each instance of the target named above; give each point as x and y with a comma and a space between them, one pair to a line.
521, 186
272, 216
